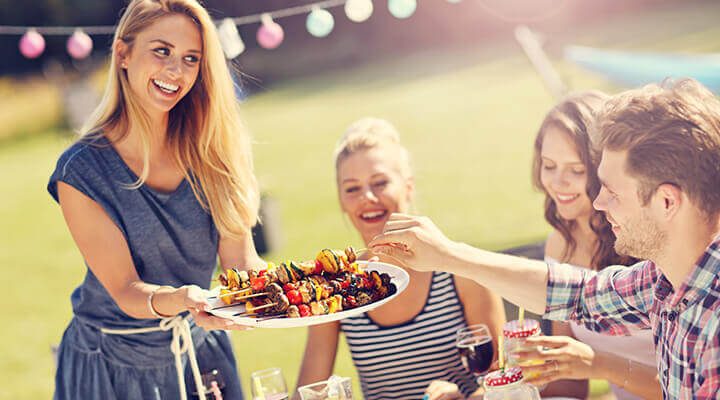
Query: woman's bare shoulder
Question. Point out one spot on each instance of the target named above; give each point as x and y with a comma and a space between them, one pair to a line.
555, 245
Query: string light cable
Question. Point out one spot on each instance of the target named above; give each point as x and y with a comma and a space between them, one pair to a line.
269, 35
110, 29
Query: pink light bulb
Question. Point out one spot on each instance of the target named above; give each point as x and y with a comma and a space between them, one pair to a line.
32, 44
79, 45
270, 34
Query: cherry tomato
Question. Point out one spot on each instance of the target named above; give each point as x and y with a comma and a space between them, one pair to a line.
304, 310
258, 284
294, 297
289, 286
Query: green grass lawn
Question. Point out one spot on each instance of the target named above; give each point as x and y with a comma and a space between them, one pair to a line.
467, 116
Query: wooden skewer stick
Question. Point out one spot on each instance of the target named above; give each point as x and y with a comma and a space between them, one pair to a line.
237, 301
233, 293
244, 314
237, 292
250, 296
239, 304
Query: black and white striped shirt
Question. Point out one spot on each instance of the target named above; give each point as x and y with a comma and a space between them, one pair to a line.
400, 361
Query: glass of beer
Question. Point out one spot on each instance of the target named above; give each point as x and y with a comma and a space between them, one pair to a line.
476, 348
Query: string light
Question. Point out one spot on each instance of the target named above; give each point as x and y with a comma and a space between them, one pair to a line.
402, 8
79, 45
270, 34
319, 22
230, 39
358, 10
31, 44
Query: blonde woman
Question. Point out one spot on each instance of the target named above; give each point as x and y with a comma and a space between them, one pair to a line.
158, 187
404, 349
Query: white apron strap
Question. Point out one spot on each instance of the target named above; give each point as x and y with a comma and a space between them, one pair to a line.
180, 330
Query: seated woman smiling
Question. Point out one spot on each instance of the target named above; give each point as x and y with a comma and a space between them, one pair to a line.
404, 349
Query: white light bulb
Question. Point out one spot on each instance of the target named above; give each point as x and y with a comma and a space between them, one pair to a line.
358, 10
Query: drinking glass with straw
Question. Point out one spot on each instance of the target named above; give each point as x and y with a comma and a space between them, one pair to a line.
507, 383
515, 333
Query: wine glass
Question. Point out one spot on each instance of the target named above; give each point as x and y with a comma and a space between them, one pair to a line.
268, 384
475, 345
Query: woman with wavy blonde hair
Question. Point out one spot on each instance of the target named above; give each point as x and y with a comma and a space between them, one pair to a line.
159, 186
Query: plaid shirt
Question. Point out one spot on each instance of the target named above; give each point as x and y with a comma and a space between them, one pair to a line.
685, 323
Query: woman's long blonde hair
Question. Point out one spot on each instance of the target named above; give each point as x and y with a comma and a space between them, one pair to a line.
208, 140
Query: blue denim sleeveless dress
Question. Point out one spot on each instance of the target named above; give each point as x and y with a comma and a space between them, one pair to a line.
173, 241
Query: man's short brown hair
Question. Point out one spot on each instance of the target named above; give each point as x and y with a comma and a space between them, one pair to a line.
671, 133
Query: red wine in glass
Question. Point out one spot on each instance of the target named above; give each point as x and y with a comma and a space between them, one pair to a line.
476, 353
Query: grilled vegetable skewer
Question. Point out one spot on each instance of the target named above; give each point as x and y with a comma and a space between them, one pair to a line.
327, 260
321, 307
226, 292
242, 297
330, 283
277, 305
254, 310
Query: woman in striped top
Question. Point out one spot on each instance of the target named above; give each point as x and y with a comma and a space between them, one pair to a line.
404, 349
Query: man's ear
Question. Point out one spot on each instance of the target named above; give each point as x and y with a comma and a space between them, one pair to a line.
670, 198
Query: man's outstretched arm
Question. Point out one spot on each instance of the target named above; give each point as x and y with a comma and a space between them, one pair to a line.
602, 301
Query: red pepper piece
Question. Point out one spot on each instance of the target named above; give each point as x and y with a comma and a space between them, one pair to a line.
294, 297
304, 310
258, 284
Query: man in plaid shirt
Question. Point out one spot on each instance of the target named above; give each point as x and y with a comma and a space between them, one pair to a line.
660, 174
